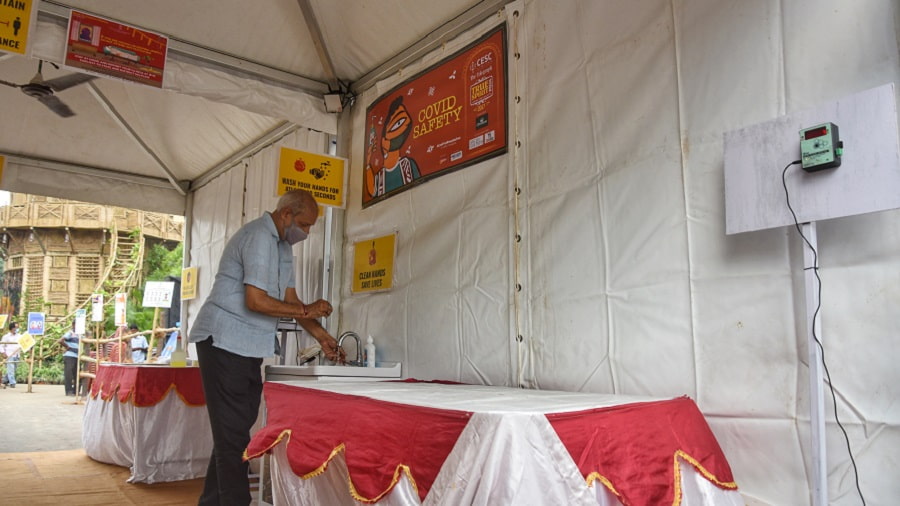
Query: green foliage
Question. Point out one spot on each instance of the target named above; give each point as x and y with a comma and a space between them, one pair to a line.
45, 371
160, 262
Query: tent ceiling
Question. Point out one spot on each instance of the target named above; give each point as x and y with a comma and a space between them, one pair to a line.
181, 137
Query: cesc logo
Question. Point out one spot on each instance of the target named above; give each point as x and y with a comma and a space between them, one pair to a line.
481, 61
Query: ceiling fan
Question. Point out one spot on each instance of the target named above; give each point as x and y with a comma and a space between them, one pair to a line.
43, 90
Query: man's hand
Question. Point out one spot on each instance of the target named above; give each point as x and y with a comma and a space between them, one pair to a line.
318, 309
331, 350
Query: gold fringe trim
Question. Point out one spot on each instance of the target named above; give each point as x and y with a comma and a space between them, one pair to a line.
286, 434
730, 485
130, 395
594, 476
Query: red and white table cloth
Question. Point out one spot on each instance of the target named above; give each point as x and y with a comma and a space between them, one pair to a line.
150, 418
411, 443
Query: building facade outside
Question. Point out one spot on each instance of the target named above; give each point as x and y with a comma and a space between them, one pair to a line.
58, 252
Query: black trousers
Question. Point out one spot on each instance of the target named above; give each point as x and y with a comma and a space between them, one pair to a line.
232, 385
70, 369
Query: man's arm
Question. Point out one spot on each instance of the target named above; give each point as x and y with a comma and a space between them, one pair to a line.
259, 301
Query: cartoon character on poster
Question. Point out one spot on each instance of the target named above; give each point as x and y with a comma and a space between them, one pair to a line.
396, 169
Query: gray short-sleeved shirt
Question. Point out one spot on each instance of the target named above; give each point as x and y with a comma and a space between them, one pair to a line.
255, 256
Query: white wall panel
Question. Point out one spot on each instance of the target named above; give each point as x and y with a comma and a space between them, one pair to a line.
448, 314
747, 443
833, 49
216, 215
630, 284
663, 82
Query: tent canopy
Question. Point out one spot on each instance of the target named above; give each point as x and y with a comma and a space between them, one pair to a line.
237, 78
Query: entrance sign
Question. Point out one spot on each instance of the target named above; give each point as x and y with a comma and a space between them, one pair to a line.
105, 47
373, 264
448, 117
320, 175
158, 293
17, 21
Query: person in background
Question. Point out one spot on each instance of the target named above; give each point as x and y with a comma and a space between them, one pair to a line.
171, 342
139, 346
119, 349
9, 348
70, 341
235, 329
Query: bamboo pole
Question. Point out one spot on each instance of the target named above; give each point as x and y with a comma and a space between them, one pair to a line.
30, 368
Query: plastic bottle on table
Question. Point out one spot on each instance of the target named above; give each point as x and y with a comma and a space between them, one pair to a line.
370, 352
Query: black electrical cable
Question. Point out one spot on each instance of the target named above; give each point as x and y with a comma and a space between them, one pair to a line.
815, 269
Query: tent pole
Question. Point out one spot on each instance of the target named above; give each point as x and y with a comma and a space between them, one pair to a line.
816, 383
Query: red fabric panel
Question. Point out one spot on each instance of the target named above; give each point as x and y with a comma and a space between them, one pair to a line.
147, 385
378, 438
635, 448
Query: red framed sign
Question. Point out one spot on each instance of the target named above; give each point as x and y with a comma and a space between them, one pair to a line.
447, 117
114, 49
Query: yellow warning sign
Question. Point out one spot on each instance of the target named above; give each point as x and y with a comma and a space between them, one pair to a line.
26, 342
373, 264
188, 283
320, 175
16, 22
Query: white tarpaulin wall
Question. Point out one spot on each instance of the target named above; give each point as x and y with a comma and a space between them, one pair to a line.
629, 283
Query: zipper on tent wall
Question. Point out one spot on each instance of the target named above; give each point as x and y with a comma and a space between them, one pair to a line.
521, 328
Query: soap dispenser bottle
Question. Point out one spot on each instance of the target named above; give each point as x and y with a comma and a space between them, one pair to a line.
370, 352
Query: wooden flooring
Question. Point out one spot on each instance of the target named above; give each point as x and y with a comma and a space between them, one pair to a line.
70, 478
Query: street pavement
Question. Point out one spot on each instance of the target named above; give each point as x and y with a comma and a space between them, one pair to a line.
40, 421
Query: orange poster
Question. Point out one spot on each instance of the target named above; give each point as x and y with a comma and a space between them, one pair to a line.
446, 118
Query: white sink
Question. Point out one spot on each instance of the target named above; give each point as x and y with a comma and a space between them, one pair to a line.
382, 370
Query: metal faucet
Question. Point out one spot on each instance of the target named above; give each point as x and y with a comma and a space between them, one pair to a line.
358, 362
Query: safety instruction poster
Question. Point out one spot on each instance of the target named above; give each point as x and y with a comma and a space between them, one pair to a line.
320, 175
17, 20
188, 283
114, 49
450, 116
373, 264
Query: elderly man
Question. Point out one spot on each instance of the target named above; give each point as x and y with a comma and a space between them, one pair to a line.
235, 329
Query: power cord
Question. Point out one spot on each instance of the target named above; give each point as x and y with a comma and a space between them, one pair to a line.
815, 269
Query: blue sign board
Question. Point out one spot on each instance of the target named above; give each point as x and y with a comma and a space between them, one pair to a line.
36, 324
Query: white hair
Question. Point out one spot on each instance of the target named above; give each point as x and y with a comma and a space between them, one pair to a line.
297, 201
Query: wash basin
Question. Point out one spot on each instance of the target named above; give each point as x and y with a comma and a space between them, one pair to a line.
382, 370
